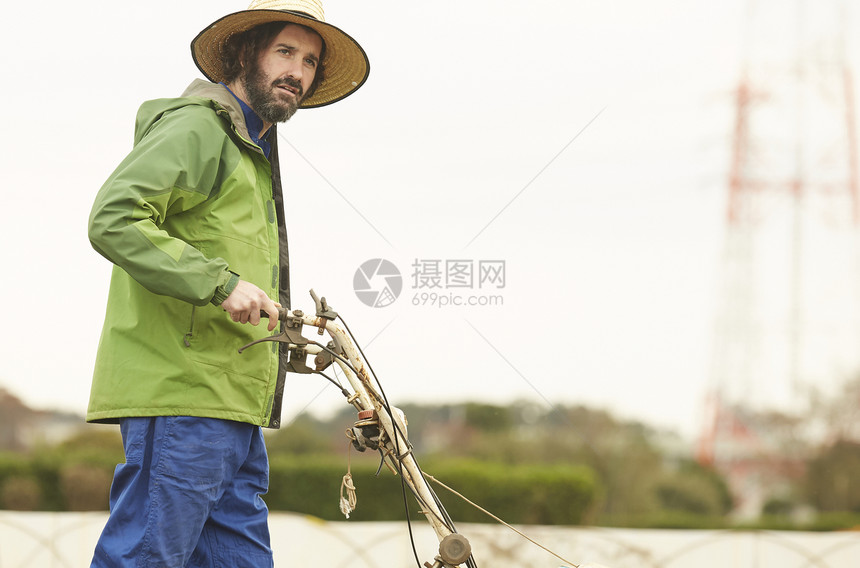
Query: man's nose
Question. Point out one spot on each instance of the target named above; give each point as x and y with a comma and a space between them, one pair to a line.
295, 70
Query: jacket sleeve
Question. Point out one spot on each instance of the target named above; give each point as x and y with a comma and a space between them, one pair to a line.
173, 167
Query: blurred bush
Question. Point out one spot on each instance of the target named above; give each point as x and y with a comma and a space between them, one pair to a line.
20, 493
832, 482
518, 494
85, 487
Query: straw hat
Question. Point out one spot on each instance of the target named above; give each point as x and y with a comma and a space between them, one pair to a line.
346, 64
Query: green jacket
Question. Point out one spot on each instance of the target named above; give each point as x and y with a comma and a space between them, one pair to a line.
192, 204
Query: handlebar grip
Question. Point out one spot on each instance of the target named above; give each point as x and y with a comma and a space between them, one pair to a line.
282, 314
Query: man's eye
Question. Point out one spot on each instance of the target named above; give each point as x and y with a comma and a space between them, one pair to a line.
311, 62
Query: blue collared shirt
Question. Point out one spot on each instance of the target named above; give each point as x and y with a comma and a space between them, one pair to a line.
254, 124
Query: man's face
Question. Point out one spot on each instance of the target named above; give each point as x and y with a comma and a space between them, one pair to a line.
276, 83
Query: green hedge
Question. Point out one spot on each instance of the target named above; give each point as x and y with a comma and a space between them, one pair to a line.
52, 481
64, 480
77, 481
517, 494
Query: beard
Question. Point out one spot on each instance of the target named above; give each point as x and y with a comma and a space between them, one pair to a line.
264, 98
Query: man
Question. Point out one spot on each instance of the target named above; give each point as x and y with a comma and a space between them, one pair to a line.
193, 220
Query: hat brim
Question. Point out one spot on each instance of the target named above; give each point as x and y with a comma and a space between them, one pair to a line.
346, 63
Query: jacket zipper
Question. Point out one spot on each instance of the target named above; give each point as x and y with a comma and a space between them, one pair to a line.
190, 333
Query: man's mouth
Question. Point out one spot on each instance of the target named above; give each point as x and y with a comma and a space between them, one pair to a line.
294, 90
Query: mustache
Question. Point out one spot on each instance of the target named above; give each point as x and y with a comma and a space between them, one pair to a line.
290, 82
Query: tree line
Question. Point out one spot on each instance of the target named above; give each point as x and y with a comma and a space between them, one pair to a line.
560, 465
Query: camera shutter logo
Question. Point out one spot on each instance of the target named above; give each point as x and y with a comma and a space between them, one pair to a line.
377, 282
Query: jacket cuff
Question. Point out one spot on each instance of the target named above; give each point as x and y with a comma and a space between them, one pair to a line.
226, 284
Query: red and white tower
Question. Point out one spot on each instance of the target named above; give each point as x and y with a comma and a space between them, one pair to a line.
788, 316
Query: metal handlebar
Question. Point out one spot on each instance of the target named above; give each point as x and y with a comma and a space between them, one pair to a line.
390, 423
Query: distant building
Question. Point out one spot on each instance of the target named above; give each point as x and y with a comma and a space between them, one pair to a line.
760, 454
23, 428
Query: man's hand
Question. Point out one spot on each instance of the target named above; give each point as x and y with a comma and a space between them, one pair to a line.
245, 302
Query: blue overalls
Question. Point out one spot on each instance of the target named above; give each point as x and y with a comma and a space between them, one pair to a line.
188, 496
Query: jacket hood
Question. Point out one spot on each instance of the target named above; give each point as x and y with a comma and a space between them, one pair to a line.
200, 93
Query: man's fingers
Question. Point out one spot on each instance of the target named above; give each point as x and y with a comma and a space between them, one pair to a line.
257, 299
271, 308
245, 302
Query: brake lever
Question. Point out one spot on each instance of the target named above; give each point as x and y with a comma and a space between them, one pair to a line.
291, 331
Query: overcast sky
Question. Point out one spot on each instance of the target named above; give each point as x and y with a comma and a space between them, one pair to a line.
585, 145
